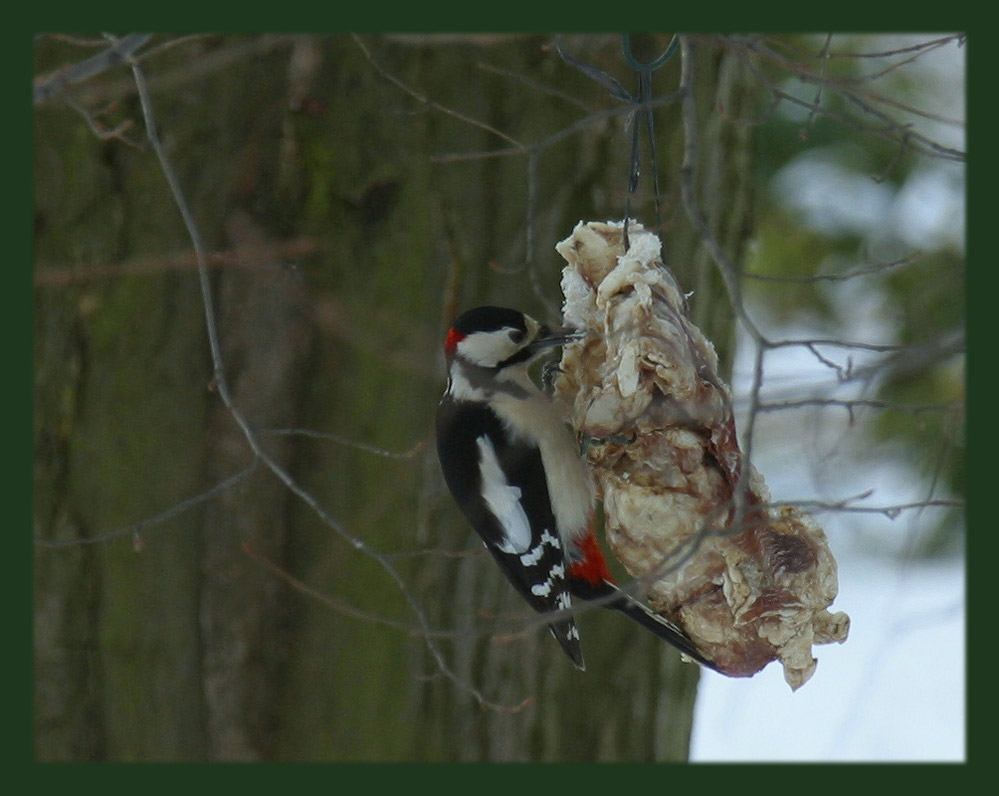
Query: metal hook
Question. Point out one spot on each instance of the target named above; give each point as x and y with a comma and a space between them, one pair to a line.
644, 97
615, 89
650, 67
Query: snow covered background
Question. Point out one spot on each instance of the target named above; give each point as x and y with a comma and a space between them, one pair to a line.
895, 690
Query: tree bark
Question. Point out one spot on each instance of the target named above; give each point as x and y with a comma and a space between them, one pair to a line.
249, 626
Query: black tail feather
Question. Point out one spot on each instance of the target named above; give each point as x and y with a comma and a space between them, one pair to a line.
662, 627
565, 633
643, 615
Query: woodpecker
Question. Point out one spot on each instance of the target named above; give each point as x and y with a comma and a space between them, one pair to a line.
515, 470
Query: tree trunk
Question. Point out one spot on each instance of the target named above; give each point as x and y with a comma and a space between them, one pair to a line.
253, 624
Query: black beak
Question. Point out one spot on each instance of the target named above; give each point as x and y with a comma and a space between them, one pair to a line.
549, 336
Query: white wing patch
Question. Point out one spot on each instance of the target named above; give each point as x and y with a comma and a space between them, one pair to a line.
534, 556
503, 500
556, 573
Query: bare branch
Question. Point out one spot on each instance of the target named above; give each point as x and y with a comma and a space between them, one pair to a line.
143, 526
50, 276
119, 53
424, 100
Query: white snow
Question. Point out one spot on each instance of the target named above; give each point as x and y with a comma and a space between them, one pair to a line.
895, 691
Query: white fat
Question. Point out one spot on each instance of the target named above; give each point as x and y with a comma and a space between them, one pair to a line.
579, 303
645, 383
628, 372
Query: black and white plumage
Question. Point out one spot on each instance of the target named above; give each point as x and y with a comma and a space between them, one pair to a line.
499, 441
515, 470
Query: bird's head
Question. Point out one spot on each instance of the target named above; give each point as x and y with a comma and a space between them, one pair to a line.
497, 338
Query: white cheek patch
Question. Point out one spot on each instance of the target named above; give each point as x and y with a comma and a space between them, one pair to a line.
488, 348
503, 500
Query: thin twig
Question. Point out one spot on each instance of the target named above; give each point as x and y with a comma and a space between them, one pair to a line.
223, 390
145, 525
120, 52
423, 99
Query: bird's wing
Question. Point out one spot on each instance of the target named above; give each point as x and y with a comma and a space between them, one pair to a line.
501, 488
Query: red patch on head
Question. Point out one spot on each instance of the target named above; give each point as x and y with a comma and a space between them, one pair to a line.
451, 341
593, 567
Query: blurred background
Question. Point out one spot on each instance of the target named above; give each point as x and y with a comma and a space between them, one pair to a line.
243, 546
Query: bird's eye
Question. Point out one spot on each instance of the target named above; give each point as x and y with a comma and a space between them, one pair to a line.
517, 335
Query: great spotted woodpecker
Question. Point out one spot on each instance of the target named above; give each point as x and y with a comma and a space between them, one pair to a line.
515, 470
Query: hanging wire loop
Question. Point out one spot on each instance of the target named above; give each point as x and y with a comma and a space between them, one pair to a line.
638, 66
641, 102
